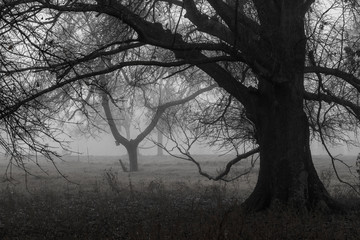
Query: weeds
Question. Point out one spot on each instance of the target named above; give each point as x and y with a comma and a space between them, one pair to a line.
117, 206
326, 175
179, 211
112, 180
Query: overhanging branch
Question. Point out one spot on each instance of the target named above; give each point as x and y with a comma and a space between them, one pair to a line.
349, 78
13, 108
333, 99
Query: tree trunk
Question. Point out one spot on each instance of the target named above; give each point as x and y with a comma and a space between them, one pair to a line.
287, 175
132, 150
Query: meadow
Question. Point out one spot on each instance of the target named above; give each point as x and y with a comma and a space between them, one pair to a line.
90, 197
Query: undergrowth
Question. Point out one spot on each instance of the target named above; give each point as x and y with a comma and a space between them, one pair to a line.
155, 210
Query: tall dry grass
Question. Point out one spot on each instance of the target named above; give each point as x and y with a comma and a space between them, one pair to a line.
166, 199
154, 210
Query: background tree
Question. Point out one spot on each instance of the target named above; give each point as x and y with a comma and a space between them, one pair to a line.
159, 108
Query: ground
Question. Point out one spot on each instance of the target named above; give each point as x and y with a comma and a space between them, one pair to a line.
166, 199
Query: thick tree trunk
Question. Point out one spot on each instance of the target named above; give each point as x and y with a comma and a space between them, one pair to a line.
287, 175
132, 150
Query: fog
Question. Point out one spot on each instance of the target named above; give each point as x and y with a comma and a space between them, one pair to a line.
318, 149
104, 145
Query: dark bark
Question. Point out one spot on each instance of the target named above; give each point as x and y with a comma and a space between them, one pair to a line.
287, 175
132, 150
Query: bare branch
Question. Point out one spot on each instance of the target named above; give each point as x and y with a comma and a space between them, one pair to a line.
348, 77
227, 169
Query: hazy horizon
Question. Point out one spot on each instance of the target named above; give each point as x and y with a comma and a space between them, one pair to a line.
104, 145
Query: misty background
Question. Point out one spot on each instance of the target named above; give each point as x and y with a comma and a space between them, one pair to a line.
104, 145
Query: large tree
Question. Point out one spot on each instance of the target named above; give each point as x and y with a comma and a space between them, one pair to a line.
299, 84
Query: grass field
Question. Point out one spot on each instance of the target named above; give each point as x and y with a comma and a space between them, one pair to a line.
166, 199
